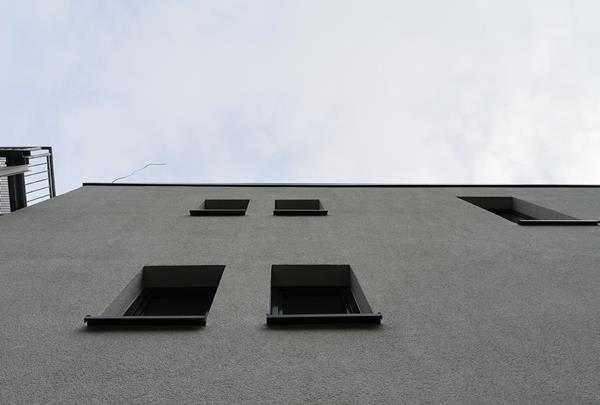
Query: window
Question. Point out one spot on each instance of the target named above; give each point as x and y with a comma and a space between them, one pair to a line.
221, 208
163, 295
523, 212
314, 300
317, 294
299, 207
172, 301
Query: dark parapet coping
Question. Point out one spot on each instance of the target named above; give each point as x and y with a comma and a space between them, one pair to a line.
342, 185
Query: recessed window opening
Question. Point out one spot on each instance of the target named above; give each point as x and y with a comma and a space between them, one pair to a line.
525, 213
164, 295
315, 300
172, 301
299, 207
512, 215
221, 208
317, 294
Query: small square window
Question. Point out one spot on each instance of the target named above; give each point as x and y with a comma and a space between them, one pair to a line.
163, 295
317, 294
523, 212
299, 207
221, 208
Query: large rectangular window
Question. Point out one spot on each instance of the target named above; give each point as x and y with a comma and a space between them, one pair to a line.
525, 213
163, 295
317, 294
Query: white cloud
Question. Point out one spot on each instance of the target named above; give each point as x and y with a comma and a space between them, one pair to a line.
430, 91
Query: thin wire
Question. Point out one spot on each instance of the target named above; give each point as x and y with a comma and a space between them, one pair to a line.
139, 170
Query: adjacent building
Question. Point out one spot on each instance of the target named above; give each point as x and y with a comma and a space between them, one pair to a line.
26, 177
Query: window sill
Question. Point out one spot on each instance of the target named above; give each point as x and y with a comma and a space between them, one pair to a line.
217, 212
324, 319
291, 213
558, 222
194, 320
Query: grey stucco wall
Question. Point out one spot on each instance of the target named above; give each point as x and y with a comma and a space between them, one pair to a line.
476, 308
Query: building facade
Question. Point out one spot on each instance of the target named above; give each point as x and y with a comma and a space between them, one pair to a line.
449, 294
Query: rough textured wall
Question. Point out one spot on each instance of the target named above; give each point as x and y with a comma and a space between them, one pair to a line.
476, 308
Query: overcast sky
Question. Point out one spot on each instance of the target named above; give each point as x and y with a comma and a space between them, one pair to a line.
305, 91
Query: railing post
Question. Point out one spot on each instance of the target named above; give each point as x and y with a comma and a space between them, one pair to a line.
50, 166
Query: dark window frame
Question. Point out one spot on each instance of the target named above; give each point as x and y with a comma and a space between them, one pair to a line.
196, 286
299, 207
523, 212
142, 302
207, 208
512, 215
279, 296
322, 282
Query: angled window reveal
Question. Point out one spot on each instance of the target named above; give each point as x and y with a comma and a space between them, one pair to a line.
299, 207
221, 208
318, 294
163, 295
525, 213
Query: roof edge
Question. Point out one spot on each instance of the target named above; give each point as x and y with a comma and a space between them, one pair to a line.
339, 185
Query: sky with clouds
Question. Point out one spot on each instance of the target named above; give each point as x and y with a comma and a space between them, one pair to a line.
305, 91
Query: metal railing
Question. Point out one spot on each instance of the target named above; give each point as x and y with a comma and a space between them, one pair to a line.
24, 178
